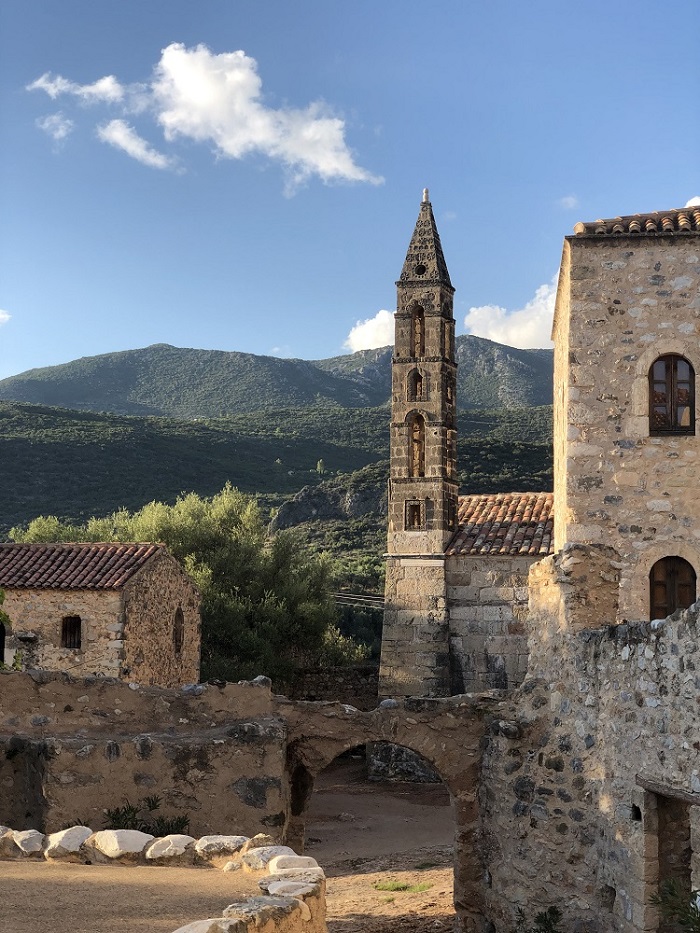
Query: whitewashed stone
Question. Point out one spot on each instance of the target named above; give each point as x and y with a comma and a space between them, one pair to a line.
290, 888
67, 842
307, 875
258, 859
291, 861
210, 846
170, 846
30, 841
117, 842
213, 925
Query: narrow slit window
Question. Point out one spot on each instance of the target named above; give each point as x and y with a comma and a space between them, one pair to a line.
671, 396
71, 632
417, 331
417, 450
178, 630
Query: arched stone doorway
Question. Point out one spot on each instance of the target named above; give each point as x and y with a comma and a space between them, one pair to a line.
386, 845
445, 732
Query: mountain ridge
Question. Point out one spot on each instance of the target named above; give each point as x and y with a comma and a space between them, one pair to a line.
187, 383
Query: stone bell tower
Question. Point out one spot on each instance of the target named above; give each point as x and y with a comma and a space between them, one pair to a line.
423, 483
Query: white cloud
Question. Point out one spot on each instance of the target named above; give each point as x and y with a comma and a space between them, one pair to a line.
119, 134
4, 317
198, 95
217, 99
693, 202
377, 331
56, 125
106, 89
569, 202
529, 326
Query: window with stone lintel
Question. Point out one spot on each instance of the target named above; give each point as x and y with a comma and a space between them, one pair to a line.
671, 396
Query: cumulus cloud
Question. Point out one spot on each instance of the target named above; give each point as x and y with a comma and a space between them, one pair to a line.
526, 327
377, 331
569, 202
119, 134
107, 89
56, 125
693, 202
4, 317
217, 99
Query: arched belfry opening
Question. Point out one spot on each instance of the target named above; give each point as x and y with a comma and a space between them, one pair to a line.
415, 391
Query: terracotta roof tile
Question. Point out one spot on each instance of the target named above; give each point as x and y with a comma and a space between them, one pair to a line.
505, 524
681, 220
72, 566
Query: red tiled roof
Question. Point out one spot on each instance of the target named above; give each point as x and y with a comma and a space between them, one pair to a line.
72, 566
682, 220
506, 524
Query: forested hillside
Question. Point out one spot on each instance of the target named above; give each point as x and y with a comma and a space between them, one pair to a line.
77, 464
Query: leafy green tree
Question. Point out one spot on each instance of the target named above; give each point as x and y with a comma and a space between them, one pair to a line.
267, 604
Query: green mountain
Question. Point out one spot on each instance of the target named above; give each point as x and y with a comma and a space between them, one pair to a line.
193, 384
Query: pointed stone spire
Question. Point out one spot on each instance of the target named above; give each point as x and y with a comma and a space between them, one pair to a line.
424, 259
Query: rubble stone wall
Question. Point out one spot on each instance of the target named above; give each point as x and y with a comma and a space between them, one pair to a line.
624, 303
576, 799
41, 612
152, 652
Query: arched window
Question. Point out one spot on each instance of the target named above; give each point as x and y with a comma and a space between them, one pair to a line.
671, 586
71, 632
416, 466
178, 630
417, 330
671, 396
415, 386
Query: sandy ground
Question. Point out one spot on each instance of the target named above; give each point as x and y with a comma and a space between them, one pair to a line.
364, 835
367, 835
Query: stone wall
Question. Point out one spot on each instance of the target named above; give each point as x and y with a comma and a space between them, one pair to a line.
151, 600
580, 801
415, 635
36, 617
356, 684
623, 302
71, 749
487, 599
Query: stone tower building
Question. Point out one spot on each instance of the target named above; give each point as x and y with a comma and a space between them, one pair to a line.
456, 572
423, 481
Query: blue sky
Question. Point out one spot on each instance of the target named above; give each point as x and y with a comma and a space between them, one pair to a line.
245, 174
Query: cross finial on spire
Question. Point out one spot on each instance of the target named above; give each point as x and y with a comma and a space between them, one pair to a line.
426, 196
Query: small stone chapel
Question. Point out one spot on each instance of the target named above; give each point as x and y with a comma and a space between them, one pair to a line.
626, 461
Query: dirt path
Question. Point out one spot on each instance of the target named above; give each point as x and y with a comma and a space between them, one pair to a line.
386, 849
371, 837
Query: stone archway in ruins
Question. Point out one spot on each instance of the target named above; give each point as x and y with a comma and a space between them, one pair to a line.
447, 733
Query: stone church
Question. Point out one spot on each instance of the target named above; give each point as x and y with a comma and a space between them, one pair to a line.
626, 461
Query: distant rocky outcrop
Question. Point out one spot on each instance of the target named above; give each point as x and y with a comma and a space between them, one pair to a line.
350, 496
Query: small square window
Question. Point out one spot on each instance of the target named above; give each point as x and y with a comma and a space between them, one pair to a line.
71, 632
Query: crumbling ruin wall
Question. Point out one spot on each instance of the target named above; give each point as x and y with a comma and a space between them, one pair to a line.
215, 754
606, 743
